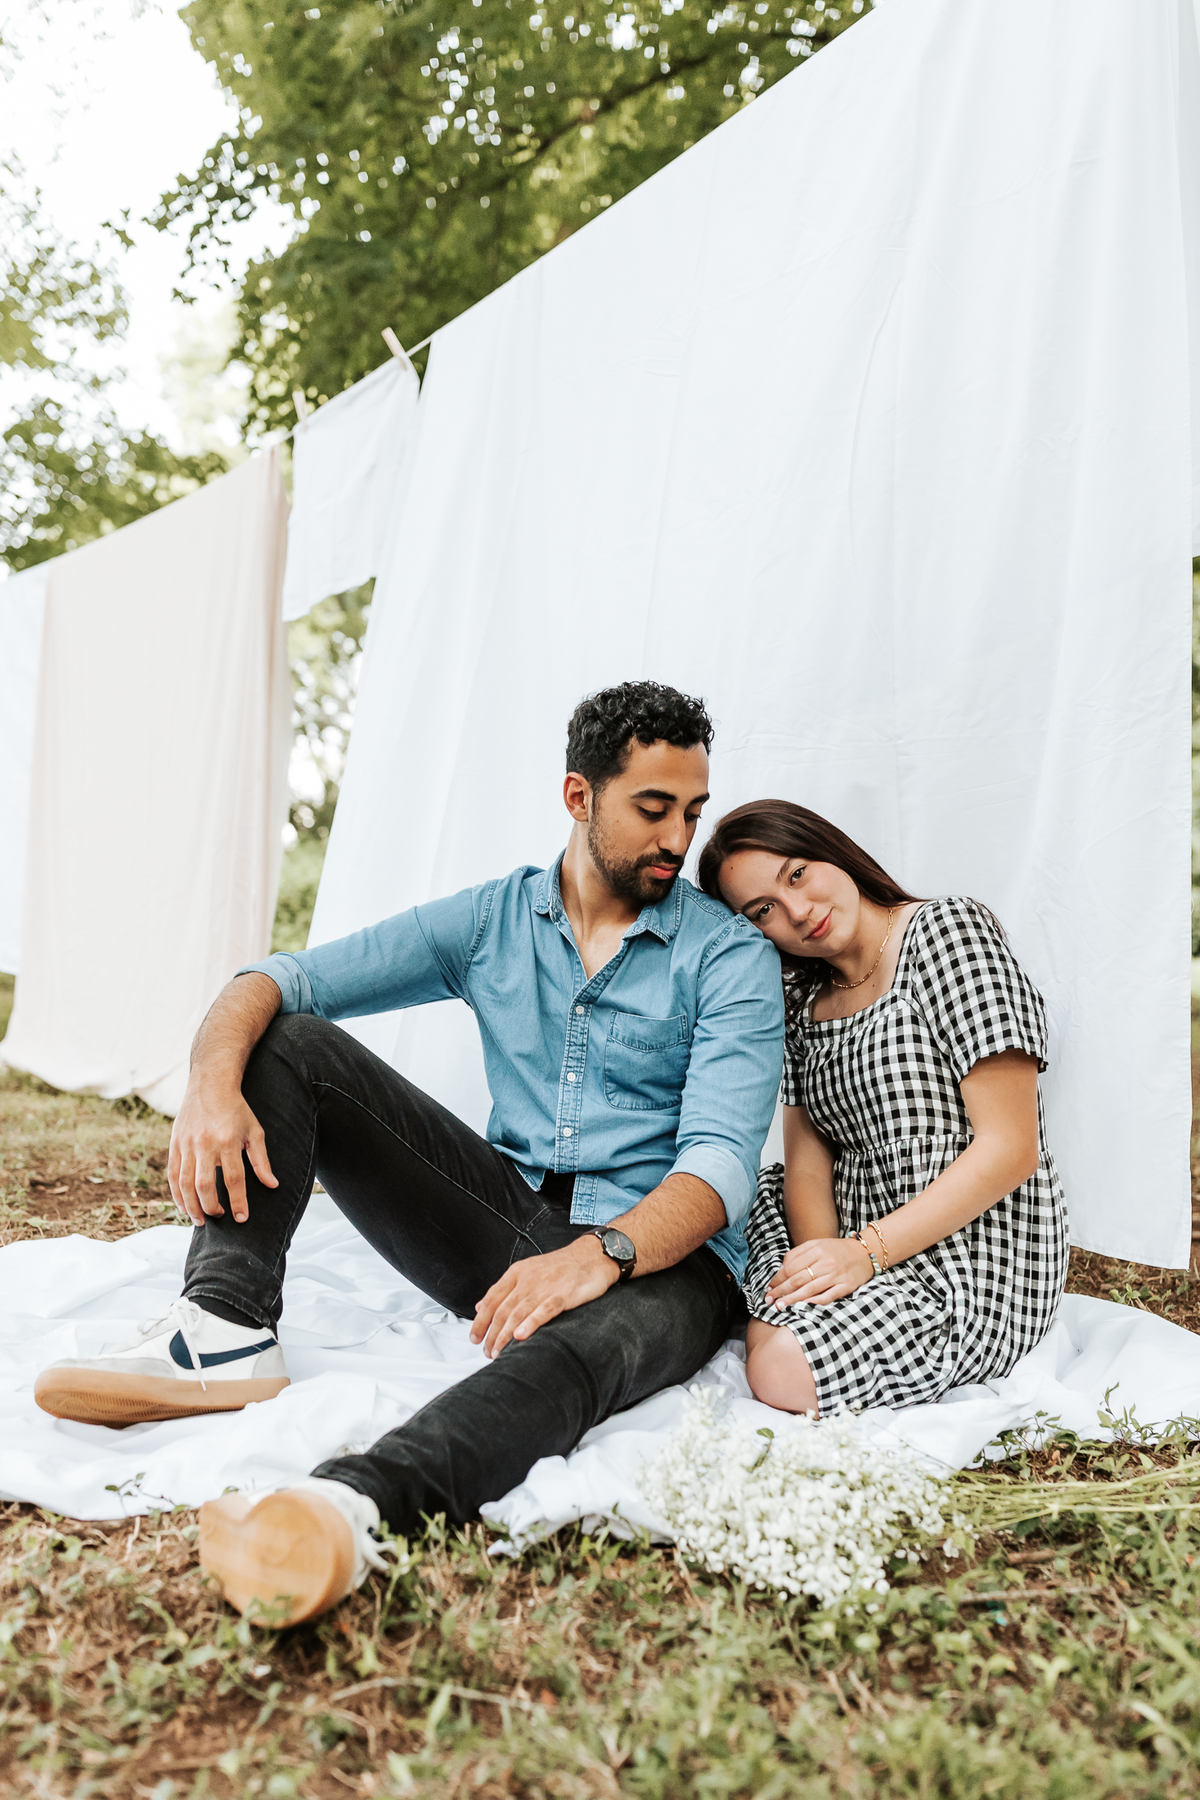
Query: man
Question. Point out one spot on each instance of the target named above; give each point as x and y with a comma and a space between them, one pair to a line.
632, 1032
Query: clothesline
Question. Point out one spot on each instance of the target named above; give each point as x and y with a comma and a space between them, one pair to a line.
398, 351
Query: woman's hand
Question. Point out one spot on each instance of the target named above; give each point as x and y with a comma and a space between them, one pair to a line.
820, 1271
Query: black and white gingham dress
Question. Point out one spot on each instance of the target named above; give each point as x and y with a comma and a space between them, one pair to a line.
883, 1087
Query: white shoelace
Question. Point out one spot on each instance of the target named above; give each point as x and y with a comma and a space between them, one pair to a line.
185, 1316
375, 1552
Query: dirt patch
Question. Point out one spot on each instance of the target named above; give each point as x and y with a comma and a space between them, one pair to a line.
50, 1202
75, 1162
1171, 1293
586, 1663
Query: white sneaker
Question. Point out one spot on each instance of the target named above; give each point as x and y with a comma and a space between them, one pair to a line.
188, 1361
294, 1552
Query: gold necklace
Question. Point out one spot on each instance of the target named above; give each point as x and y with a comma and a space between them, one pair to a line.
853, 984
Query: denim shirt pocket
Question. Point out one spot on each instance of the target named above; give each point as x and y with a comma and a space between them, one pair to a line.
646, 1062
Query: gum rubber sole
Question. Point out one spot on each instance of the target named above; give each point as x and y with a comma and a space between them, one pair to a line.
292, 1553
102, 1397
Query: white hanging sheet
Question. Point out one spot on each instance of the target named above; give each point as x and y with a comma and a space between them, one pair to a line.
159, 787
365, 1350
21, 603
868, 419
350, 462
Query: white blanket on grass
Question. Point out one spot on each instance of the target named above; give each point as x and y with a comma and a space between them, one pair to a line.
365, 1350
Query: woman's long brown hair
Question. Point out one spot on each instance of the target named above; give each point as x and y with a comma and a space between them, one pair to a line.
783, 829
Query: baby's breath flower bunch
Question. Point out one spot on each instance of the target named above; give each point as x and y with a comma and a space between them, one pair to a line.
812, 1509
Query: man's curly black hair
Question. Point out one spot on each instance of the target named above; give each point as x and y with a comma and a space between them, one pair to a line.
603, 724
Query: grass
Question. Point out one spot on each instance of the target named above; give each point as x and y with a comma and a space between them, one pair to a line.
72, 1162
1063, 1662
1058, 1661
299, 878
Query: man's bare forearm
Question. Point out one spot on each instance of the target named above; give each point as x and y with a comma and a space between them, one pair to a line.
232, 1026
674, 1219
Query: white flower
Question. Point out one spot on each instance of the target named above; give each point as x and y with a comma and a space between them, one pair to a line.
811, 1510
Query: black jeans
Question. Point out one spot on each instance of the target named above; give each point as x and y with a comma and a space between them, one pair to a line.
451, 1213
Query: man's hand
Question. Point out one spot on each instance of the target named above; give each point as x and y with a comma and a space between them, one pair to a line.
540, 1288
820, 1271
211, 1130
214, 1124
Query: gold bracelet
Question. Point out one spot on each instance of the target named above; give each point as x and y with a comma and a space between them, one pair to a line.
887, 1261
875, 1269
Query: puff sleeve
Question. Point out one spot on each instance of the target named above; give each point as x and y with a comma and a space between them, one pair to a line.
976, 998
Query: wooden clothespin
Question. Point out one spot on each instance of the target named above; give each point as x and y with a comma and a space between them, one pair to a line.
301, 405
395, 346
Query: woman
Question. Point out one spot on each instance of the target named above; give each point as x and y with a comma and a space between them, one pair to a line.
915, 1238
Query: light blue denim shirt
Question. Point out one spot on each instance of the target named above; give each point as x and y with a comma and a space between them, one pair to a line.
666, 1062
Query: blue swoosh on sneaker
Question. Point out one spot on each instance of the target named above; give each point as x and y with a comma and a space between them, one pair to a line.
179, 1353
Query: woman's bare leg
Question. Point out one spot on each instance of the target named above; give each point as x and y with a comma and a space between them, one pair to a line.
778, 1370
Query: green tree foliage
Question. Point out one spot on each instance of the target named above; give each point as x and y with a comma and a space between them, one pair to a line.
68, 472
325, 650
66, 478
46, 290
432, 148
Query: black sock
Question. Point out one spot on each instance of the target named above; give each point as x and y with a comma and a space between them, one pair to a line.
232, 1315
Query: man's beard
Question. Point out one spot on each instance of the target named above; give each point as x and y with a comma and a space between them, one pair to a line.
631, 880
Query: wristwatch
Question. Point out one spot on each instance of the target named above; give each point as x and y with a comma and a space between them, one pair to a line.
618, 1248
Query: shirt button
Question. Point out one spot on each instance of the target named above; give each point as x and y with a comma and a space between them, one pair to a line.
570, 1077
579, 1011
566, 1131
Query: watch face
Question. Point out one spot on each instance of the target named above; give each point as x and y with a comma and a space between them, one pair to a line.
618, 1246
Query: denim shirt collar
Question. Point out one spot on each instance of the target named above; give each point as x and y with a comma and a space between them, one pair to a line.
663, 919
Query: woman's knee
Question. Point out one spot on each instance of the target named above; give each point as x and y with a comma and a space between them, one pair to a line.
778, 1371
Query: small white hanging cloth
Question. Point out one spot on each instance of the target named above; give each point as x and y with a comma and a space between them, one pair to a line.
349, 470
22, 598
